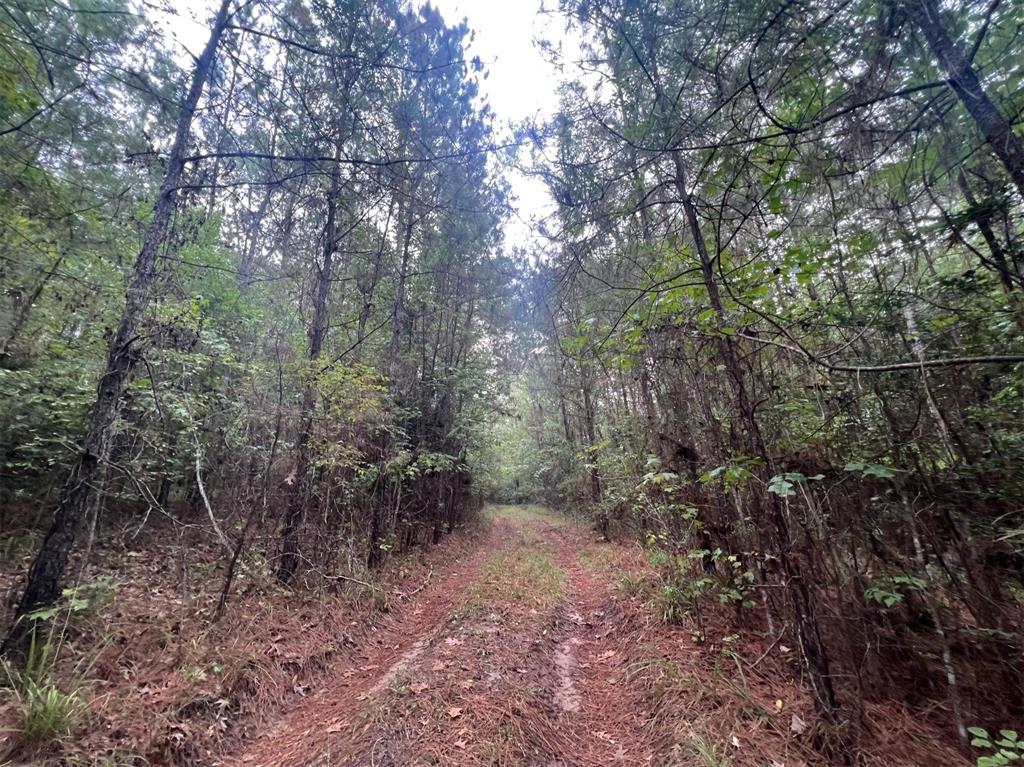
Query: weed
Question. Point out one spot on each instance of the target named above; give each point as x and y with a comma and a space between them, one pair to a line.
1002, 751
706, 752
193, 674
46, 713
632, 585
673, 602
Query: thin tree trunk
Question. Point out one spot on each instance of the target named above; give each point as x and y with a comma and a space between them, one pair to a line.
292, 529
398, 312
44, 576
812, 648
21, 318
964, 79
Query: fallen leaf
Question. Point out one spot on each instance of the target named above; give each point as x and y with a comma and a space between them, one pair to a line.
797, 725
454, 712
778, 705
466, 684
460, 744
336, 727
438, 666
606, 655
418, 687
451, 641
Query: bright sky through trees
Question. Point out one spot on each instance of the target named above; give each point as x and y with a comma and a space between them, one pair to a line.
522, 81
521, 84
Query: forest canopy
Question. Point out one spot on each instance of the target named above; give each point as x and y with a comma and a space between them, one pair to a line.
262, 296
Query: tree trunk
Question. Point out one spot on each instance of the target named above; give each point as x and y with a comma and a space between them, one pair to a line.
21, 318
398, 312
292, 529
812, 649
42, 586
966, 83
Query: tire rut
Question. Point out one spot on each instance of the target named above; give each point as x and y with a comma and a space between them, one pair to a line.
601, 708
322, 723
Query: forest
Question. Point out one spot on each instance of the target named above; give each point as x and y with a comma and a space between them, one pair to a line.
310, 455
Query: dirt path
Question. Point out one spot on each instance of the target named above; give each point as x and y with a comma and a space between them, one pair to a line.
315, 727
594, 668
514, 657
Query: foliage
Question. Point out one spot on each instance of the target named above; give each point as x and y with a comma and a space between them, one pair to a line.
1004, 750
46, 713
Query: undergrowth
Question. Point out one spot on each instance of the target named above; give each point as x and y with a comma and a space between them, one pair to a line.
46, 712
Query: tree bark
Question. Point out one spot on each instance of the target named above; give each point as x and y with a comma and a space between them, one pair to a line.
965, 82
42, 586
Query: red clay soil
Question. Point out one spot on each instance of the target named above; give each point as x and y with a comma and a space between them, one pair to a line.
492, 667
460, 682
609, 723
520, 649
311, 729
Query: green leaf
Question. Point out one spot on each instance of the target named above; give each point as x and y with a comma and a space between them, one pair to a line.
781, 486
882, 472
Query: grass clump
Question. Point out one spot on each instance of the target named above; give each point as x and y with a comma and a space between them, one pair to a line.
46, 713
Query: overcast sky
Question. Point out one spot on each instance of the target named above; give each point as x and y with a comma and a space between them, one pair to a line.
522, 83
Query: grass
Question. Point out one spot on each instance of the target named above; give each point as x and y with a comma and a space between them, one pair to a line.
45, 712
48, 713
526, 513
524, 572
704, 749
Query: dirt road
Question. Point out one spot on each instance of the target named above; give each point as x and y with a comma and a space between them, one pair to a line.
513, 656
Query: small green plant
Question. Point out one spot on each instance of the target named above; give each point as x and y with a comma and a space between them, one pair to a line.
632, 585
80, 603
673, 603
737, 583
687, 580
46, 713
1005, 750
706, 752
193, 674
889, 590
